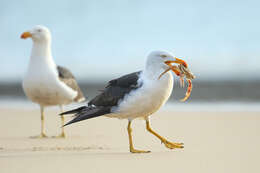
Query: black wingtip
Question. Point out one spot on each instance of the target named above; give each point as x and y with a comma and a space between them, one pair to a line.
78, 118
84, 113
64, 113
70, 122
73, 111
66, 124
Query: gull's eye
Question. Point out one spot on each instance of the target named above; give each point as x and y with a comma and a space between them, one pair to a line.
163, 56
39, 30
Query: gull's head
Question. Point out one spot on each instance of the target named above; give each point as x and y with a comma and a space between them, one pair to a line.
162, 60
38, 34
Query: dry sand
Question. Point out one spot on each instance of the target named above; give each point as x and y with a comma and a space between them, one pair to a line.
214, 142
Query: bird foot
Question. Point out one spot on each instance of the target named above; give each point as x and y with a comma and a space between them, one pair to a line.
172, 145
132, 150
62, 135
42, 135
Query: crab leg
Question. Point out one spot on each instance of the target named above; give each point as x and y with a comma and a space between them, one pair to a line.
187, 95
175, 69
164, 72
182, 80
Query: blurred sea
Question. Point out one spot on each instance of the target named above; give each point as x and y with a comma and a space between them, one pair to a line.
176, 106
203, 93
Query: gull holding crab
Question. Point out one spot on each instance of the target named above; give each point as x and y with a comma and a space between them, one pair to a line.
136, 95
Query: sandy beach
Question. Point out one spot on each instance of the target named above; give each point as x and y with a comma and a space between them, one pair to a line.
214, 142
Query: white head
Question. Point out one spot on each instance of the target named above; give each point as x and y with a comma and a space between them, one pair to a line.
38, 34
159, 61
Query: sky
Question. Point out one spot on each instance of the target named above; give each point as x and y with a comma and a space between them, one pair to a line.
100, 40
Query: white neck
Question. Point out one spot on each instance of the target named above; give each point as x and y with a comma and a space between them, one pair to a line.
41, 53
153, 69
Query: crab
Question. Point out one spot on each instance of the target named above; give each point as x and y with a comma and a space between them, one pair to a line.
183, 72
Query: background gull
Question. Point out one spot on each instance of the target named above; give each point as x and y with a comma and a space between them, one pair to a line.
46, 83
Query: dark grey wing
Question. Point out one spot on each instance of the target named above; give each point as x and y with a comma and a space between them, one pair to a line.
102, 103
67, 77
116, 90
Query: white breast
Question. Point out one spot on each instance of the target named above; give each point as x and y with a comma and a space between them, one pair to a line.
145, 100
42, 85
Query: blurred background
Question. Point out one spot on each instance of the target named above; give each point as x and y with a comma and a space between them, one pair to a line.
101, 40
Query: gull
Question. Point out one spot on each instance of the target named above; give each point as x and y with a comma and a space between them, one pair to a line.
136, 95
45, 83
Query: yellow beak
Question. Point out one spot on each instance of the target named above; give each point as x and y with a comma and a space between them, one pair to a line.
26, 35
178, 61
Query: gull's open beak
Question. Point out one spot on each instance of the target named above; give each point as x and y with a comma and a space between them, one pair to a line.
26, 35
174, 68
178, 61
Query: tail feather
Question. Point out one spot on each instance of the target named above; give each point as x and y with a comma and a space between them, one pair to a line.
84, 113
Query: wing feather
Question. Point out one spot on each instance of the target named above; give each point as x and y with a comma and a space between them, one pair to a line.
67, 77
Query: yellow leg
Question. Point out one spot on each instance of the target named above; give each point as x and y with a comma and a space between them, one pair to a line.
42, 135
131, 146
62, 135
42, 122
168, 144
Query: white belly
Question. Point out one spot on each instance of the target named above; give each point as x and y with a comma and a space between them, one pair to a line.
44, 87
145, 100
